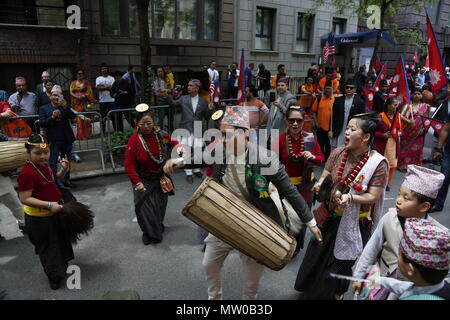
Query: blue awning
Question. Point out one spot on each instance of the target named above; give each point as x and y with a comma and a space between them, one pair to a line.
360, 39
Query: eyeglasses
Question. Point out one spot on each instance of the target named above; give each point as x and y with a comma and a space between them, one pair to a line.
292, 121
350, 87
80, 73
147, 124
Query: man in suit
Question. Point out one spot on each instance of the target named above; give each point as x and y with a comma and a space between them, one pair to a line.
55, 119
380, 97
193, 108
344, 108
40, 88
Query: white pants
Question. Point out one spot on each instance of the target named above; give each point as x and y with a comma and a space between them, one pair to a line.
11, 201
215, 255
192, 142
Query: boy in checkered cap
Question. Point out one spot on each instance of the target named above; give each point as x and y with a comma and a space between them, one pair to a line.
415, 198
424, 259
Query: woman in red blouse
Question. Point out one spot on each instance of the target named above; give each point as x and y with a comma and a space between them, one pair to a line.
145, 156
40, 196
298, 151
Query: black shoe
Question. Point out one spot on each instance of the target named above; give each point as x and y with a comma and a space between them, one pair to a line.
190, 179
435, 209
145, 239
199, 175
55, 285
204, 248
387, 188
154, 240
69, 185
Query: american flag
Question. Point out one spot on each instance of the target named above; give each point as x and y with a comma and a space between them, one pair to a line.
328, 49
212, 89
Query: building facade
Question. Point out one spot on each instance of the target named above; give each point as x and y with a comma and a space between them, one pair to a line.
186, 34
439, 13
276, 32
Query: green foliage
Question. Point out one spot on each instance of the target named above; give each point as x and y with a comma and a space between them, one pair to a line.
119, 138
148, 95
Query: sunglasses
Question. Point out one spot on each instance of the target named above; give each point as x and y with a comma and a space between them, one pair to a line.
350, 87
292, 121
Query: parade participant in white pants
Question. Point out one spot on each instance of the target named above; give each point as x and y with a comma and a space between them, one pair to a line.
248, 181
8, 197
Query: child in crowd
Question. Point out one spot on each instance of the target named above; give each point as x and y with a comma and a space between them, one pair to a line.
424, 259
415, 198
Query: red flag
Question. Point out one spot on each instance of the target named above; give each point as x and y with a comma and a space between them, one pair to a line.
437, 71
399, 84
377, 64
381, 76
212, 89
437, 125
396, 127
217, 93
241, 87
368, 98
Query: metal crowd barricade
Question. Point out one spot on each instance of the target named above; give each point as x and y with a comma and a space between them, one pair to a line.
115, 118
95, 143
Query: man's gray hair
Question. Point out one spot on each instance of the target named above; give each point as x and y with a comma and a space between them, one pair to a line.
196, 82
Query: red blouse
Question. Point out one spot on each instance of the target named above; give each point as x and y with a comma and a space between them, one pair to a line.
136, 156
30, 179
295, 169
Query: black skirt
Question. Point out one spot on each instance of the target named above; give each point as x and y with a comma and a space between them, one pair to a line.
313, 276
53, 248
150, 207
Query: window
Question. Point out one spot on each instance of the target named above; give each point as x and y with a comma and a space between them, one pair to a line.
38, 12
302, 43
168, 19
338, 26
209, 20
433, 10
264, 28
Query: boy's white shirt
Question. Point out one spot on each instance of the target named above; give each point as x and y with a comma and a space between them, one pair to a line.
375, 245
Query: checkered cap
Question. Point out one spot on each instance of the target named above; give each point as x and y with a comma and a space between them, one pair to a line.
422, 180
426, 244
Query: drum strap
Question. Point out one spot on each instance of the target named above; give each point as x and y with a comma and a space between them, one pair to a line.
238, 181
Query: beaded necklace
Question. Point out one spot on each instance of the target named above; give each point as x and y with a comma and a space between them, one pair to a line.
160, 149
296, 157
352, 175
40, 172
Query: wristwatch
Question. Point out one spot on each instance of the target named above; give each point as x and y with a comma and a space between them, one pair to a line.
440, 150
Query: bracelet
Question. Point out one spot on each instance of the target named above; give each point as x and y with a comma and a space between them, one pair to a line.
49, 205
351, 198
440, 150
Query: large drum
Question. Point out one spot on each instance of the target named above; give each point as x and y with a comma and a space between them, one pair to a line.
12, 155
239, 224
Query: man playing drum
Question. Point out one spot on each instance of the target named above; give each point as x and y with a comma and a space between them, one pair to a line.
248, 180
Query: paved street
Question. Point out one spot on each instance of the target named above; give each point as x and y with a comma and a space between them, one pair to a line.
114, 258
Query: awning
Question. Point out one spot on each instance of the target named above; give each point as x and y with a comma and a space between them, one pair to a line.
360, 39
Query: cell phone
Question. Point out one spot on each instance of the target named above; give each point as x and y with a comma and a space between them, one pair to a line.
272, 96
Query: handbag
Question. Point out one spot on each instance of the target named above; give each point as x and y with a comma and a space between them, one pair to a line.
166, 184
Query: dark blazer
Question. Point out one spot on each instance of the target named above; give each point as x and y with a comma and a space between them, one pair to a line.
40, 89
339, 111
378, 102
279, 178
57, 130
188, 116
42, 99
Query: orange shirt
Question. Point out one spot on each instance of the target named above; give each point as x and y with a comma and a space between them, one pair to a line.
306, 101
335, 82
323, 111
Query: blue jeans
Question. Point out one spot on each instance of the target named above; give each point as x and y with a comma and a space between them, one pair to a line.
445, 169
60, 149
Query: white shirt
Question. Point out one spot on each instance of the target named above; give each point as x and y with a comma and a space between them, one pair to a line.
104, 95
213, 74
194, 102
228, 179
236, 83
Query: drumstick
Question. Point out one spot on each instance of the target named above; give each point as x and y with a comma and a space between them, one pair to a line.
340, 276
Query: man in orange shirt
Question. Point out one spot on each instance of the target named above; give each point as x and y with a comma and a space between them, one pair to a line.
322, 111
328, 77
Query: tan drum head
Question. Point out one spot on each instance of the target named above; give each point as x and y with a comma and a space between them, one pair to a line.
142, 107
217, 115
